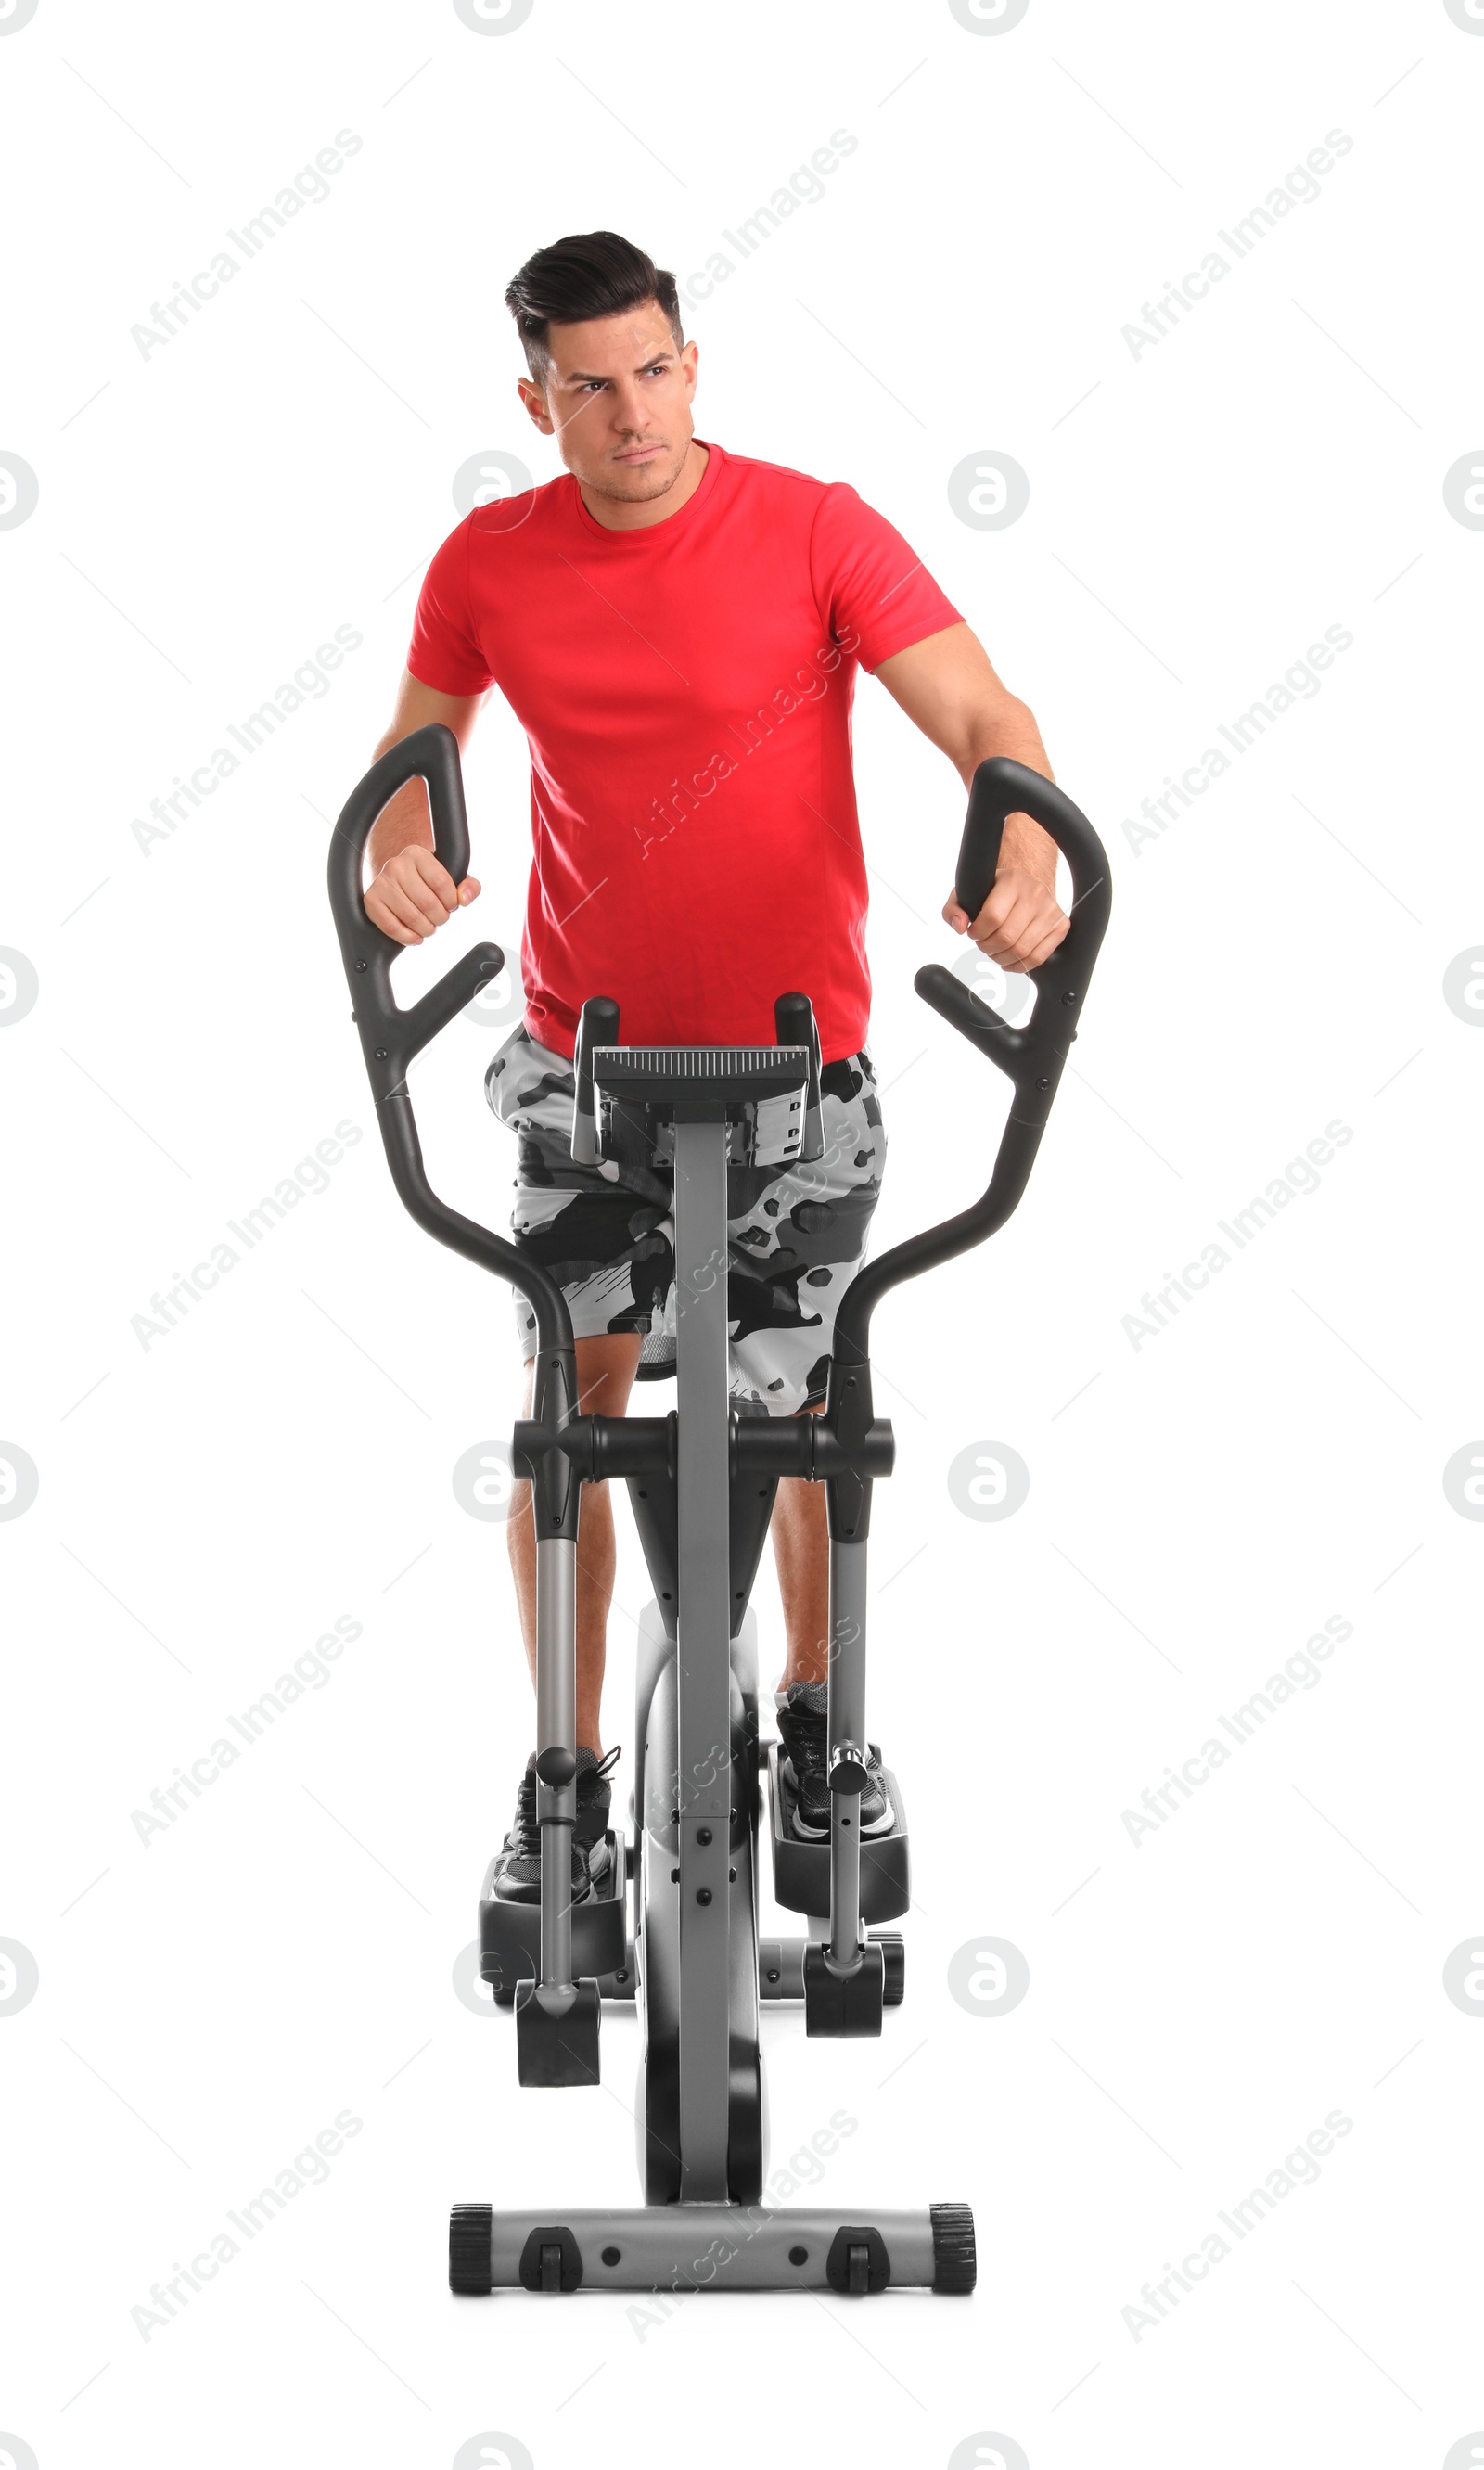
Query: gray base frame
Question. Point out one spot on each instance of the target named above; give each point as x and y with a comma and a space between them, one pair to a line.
687, 2248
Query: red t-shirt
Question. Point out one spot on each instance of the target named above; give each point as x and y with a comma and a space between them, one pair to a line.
685, 691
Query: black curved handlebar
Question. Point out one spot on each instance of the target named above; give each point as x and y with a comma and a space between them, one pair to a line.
389, 1036
1033, 1056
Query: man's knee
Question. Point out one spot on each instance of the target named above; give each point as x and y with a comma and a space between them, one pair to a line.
606, 1367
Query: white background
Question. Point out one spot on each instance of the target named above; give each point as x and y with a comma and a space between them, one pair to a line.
1199, 1504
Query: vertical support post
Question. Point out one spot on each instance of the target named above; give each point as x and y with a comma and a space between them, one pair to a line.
556, 1737
845, 1731
704, 1669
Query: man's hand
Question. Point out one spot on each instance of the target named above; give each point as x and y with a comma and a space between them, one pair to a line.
412, 894
1021, 924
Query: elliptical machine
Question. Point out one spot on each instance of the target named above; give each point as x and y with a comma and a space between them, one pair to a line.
702, 1482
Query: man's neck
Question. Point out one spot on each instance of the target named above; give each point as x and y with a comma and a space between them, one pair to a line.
636, 514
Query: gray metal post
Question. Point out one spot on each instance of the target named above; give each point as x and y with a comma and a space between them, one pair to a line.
846, 1729
556, 1728
704, 1669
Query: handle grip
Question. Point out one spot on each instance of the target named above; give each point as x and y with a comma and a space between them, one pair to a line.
794, 1025
429, 755
1034, 1057
979, 852
1001, 788
597, 1025
391, 1037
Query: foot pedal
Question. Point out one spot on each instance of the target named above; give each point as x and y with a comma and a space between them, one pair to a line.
510, 1934
801, 1868
557, 2035
843, 2007
624, 1983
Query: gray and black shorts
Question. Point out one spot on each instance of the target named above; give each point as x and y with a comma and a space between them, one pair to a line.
795, 1233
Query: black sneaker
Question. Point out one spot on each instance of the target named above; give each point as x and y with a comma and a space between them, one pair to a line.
802, 1730
518, 1868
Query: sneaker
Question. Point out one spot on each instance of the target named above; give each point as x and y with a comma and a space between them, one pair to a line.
803, 1733
518, 1868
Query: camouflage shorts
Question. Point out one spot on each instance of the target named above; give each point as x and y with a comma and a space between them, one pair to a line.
795, 1233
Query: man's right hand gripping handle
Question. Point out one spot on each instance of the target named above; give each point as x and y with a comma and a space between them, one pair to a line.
413, 893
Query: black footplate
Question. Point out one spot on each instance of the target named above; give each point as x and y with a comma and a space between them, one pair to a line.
510, 1935
800, 1870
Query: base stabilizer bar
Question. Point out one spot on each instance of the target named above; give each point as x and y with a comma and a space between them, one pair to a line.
687, 2247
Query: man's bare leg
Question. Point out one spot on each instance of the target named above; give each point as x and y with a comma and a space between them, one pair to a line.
605, 1376
800, 1551
800, 1543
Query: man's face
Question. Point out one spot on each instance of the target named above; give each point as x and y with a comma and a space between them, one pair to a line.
617, 398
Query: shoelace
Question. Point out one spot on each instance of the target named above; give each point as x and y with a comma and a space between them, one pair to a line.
605, 1766
806, 1741
524, 1837
594, 1774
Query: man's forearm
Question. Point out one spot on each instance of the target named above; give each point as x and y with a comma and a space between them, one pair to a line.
947, 685
1010, 729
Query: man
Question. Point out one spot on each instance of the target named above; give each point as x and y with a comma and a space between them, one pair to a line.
678, 630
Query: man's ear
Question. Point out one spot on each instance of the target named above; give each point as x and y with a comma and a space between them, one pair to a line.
534, 402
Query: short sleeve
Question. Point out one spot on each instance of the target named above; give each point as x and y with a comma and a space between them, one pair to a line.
444, 652
877, 595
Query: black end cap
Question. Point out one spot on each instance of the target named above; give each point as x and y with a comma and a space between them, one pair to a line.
469, 2250
955, 2264
894, 1960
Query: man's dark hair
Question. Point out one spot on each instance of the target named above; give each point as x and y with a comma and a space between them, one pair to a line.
589, 274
